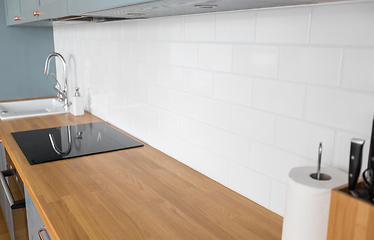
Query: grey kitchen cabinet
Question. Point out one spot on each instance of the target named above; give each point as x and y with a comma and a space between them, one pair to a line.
49, 9
34, 221
29, 11
85, 6
13, 11
26, 11
27, 8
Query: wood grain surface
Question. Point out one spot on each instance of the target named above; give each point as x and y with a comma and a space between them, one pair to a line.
350, 218
138, 193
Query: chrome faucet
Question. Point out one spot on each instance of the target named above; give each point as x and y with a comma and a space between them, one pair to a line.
62, 94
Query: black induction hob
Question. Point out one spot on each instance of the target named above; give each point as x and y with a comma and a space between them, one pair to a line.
52, 144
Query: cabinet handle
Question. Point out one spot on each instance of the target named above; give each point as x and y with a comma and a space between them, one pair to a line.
40, 233
16, 18
36, 13
13, 204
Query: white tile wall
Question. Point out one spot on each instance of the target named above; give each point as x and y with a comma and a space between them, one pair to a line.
235, 26
240, 96
283, 25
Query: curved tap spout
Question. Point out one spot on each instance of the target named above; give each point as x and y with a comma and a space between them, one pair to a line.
46, 68
57, 150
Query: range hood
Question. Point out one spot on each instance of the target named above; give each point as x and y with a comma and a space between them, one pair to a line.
161, 8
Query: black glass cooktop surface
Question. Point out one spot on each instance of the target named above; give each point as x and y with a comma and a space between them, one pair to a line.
52, 144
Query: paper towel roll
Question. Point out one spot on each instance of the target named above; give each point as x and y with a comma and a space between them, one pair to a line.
307, 208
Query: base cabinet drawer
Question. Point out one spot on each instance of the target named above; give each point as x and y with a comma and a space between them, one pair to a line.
35, 223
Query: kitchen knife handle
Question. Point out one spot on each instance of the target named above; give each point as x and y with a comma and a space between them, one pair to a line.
371, 150
355, 161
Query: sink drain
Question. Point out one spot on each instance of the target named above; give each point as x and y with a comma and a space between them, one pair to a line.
3, 112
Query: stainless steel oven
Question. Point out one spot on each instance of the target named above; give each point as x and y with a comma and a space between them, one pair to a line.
12, 198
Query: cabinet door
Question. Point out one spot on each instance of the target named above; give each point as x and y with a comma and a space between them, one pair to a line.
34, 221
84, 6
27, 10
12, 9
49, 9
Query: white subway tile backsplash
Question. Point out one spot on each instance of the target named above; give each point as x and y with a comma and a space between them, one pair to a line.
171, 77
123, 87
148, 72
233, 88
116, 100
103, 65
124, 122
139, 50
340, 109
246, 181
183, 54
159, 139
199, 27
215, 57
231, 146
272, 162
109, 48
278, 197
123, 49
214, 113
90, 31
253, 124
281, 25
235, 26
183, 103
139, 91
130, 29
184, 151
115, 30
198, 133
148, 29
303, 138
171, 123
242, 96
255, 60
349, 24
213, 166
171, 28
132, 107
150, 115
357, 69
279, 97
140, 130
159, 96
159, 52
198, 82
111, 116
310, 65
97, 47
131, 69
102, 32
115, 67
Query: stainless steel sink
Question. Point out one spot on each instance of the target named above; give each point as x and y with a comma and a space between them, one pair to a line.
30, 108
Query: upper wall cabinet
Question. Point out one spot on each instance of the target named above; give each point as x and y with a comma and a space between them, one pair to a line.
12, 10
49, 9
33, 11
25, 11
84, 6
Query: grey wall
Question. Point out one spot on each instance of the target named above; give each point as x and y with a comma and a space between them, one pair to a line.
23, 51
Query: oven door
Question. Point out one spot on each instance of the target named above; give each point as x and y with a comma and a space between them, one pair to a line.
12, 198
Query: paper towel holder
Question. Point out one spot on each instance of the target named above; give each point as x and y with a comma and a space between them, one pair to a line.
318, 175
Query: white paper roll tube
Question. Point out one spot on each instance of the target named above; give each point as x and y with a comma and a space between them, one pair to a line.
307, 207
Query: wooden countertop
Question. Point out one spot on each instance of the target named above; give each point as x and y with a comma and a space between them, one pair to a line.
137, 193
